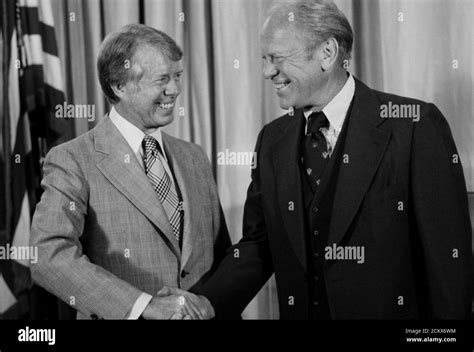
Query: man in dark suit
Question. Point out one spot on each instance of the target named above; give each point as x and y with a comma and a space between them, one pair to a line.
359, 214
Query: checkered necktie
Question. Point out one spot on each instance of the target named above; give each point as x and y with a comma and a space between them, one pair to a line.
314, 149
163, 184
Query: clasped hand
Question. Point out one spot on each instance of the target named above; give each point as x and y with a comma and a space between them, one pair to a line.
176, 304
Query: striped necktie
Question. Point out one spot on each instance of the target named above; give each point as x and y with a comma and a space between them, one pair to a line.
163, 184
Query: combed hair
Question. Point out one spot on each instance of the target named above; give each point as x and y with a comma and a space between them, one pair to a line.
115, 62
318, 20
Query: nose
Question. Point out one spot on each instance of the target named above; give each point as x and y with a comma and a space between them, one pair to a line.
269, 69
173, 88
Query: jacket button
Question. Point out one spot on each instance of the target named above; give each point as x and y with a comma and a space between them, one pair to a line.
184, 274
316, 255
315, 209
316, 303
316, 232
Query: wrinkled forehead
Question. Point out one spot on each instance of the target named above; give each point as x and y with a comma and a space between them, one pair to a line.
153, 60
278, 35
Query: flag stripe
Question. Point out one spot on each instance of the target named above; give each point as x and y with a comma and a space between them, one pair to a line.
29, 3
52, 72
30, 18
48, 36
34, 49
13, 92
46, 14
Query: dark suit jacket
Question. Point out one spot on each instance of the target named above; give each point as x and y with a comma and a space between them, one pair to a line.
417, 253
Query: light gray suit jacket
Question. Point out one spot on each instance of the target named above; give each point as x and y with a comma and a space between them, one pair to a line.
103, 236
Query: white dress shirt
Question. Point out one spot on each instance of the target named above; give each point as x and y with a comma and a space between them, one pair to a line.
336, 111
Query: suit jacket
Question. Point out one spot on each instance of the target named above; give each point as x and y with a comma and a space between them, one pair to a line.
102, 233
400, 193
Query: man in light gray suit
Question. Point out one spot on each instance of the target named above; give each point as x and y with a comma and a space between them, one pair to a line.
126, 208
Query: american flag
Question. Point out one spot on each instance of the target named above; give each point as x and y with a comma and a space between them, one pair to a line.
32, 86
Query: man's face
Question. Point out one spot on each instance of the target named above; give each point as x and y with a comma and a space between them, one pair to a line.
149, 102
297, 76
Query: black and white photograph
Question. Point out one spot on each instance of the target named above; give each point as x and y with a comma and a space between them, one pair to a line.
307, 160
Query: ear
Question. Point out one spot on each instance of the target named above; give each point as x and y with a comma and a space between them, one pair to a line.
119, 90
330, 52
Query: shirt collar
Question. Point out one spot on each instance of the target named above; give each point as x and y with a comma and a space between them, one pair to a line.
132, 134
336, 109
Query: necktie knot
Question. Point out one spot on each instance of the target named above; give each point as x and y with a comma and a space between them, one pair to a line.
150, 146
316, 121
314, 150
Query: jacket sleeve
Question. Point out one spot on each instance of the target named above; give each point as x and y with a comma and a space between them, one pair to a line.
248, 264
222, 240
62, 268
441, 212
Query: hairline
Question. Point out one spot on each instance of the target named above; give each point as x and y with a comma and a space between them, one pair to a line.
283, 9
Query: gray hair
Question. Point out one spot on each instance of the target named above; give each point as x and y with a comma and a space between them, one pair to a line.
318, 20
115, 62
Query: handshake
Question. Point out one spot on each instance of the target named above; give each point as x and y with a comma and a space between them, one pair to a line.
176, 304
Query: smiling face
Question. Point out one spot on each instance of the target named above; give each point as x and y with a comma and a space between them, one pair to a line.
297, 77
149, 102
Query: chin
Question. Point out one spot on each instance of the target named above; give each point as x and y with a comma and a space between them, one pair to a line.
164, 120
287, 102
167, 121
285, 105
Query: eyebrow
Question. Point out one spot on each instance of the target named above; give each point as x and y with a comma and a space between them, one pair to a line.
168, 74
277, 54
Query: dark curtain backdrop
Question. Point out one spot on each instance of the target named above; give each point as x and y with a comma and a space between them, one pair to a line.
417, 48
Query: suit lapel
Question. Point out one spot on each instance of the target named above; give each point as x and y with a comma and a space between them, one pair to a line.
286, 159
120, 166
184, 171
365, 146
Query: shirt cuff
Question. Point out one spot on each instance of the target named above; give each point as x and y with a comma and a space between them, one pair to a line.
139, 306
